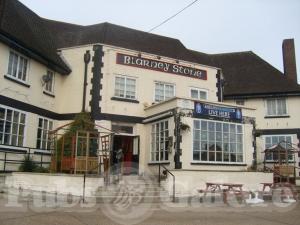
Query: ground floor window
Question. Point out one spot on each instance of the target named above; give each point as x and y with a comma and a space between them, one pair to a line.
160, 141
12, 126
43, 138
217, 142
284, 140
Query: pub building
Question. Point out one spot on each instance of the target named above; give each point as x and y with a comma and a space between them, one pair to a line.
200, 115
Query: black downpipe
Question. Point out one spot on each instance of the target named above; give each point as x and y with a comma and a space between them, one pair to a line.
87, 59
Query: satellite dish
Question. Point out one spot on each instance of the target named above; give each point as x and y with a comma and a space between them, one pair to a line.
46, 78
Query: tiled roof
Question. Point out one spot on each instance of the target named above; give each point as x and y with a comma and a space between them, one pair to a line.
245, 73
24, 27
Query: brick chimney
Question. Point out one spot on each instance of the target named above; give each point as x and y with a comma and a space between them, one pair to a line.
289, 59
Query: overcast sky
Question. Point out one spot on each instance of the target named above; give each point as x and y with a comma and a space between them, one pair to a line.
211, 26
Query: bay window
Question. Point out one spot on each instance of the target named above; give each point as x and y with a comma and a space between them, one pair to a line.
217, 142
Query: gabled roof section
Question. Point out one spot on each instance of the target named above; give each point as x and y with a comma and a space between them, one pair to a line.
23, 29
246, 74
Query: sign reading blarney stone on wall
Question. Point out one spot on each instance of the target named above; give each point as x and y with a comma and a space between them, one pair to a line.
161, 66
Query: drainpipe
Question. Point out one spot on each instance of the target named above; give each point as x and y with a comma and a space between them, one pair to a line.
254, 162
87, 59
177, 133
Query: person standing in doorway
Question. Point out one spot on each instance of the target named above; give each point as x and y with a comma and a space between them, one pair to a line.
119, 159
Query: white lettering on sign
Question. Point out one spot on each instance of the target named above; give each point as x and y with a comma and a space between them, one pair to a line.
161, 66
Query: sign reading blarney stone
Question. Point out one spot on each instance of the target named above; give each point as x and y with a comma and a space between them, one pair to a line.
161, 66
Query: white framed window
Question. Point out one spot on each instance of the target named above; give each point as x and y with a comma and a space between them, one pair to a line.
217, 142
12, 126
44, 140
160, 141
49, 85
125, 87
163, 91
17, 66
271, 140
197, 93
276, 107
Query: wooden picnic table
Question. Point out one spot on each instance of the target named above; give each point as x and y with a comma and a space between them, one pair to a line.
265, 185
213, 187
236, 189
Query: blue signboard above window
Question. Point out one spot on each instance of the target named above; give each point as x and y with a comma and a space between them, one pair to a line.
215, 111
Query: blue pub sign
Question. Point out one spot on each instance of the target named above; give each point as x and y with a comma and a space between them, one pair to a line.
215, 111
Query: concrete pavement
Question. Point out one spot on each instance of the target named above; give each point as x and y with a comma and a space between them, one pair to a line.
32, 212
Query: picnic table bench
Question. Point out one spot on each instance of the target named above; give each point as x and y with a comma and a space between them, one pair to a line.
228, 188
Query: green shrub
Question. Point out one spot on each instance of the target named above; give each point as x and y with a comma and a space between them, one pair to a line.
27, 165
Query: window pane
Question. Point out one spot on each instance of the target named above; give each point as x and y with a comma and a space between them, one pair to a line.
196, 124
15, 65
196, 155
225, 127
196, 145
218, 126
203, 125
194, 94
239, 129
10, 63
20, 70
203, 156
22, 119
9, 115
2, 113
1, 126
197, 134
211, 126
25, 70
203, 95
204, 135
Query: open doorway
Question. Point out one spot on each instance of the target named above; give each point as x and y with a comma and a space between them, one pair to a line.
129, 146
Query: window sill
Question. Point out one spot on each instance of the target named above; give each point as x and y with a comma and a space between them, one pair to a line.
272, 117
125, 100
16, 81
157, 163
218, 164
276, 161
48, 94
42, 152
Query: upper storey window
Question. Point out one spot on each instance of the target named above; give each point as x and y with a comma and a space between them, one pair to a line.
17, 67
49, 86
197, 93
164, 91
276, 107
125, 87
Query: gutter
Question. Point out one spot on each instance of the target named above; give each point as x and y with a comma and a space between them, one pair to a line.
31, 53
